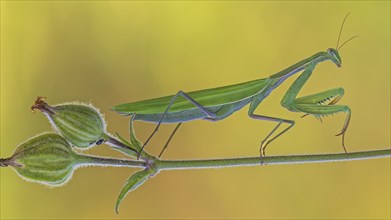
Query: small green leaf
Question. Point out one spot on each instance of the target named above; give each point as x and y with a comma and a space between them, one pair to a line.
124, 141
136, 143
131, 184
130, 151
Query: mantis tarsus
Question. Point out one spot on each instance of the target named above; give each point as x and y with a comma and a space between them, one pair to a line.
218, 103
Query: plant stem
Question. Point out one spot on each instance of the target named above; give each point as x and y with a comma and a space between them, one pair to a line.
87, 160
233, 162
254, 161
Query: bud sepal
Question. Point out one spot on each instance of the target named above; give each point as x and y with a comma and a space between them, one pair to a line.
81, 124
47, 158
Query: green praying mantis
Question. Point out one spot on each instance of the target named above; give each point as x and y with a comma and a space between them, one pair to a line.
218, 103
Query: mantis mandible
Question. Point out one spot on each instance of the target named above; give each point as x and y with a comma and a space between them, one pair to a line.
218, 103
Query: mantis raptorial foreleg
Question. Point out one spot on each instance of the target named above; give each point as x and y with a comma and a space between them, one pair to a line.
188, 98
329, 97
332, 96
319, 104
323, 110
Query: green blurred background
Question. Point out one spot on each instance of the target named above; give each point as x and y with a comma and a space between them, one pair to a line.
109, 53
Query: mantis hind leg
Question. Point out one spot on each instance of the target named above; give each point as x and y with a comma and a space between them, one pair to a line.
323, 104
169, 139
187, 97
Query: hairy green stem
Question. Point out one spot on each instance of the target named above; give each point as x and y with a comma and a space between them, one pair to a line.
233, 162
254, 161
87, 160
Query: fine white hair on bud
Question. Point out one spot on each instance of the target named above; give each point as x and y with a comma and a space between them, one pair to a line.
81, 124
47, 159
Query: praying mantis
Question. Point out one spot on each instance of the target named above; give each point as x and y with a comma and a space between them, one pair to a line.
216, 104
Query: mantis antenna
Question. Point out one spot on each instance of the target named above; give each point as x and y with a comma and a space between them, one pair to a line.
340, 32
347, 41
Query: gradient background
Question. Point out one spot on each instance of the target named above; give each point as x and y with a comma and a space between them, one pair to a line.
109, 53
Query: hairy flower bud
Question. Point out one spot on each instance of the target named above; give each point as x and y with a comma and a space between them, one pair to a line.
47, 159
80, 124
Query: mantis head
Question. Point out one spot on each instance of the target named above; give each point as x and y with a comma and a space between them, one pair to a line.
333, 53
334, 56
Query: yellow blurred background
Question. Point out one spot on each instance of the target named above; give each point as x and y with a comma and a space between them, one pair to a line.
109, 53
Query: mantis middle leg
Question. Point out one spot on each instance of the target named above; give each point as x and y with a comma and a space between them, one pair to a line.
253, 105
266, 140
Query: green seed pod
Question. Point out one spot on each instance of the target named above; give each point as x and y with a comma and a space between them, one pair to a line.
80, 124
46, 158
